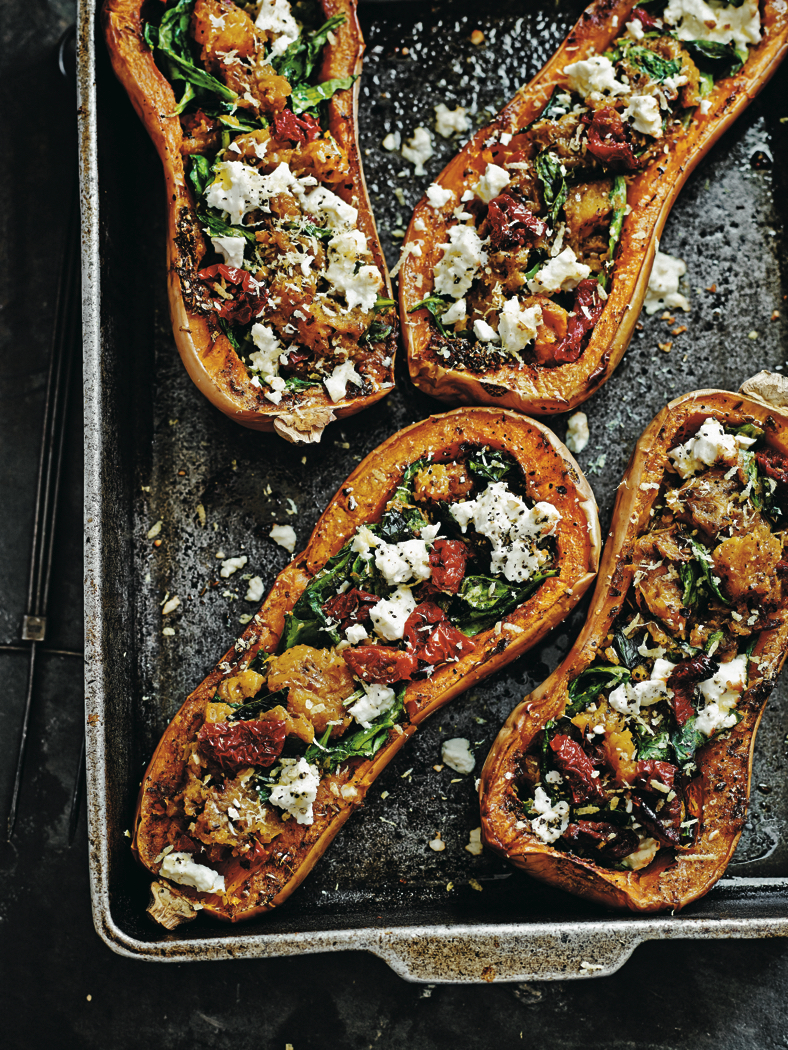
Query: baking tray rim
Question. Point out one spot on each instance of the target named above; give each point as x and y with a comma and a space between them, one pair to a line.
456, 953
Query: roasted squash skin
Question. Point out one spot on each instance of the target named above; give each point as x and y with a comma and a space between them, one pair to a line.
551, 474
210, 359
721, 789
533, 388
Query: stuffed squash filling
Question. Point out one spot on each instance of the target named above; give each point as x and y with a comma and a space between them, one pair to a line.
614, 778
530, 245
290, 278
458, 547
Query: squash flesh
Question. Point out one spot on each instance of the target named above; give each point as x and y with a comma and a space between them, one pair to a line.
717, 797
532, 387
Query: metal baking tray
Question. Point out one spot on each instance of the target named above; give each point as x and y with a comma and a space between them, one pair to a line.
155, 450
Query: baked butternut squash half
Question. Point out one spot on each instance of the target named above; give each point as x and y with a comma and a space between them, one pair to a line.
624, 778
526, 264
449, 551
279, 295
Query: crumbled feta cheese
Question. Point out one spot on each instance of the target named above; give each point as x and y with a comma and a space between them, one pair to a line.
492, 182
363, 542
457, 755
404, 561
238, 188
662, 669
628, 698
418, 149
663, 285
456, 312
438, 195
577, 434
635, 29
180, 868
276, 389
450, 121
274, 17
377, 700
709, 446
231, 249
720, 23
561, 274
231, 565
392, 141
336, 383
255, 589
336, 213
265, 359
705, 106
643, 111
475, 842
721, 693
553, 777
593, 76
462, 259
355, 634
285, 536
550, 821
296, 789
390, 615
347, 273
517, 325
642, 856
512, 528
484, 332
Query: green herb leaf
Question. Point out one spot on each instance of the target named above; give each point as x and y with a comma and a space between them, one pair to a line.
476, 619
703, 559
377, 332
298, 62
200, 174
437, 306
685, 742
657, 746
172, 40
364, 743
627, 650
590, 683
255, 707
652, 64
549, 170
219, 228
721, 60
490, 464
307, 96
618, 198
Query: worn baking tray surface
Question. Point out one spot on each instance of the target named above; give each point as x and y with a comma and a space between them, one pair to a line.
156, 451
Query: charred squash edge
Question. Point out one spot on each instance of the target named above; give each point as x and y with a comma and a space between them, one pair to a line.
555, 476
535, 389
215, 367
725, 764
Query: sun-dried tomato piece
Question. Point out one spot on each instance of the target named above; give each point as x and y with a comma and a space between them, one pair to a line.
773, 464
235, 745
511, 223
651, 771
447, 561
608, 141
662, 819
254, 856
446, 642
585, 314
432, 637
682, 682
577, 769
380, 663
350, 608
647, 20
611, 842
248, 296
296, 129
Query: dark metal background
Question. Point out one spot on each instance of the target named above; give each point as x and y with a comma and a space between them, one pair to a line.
724, 994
